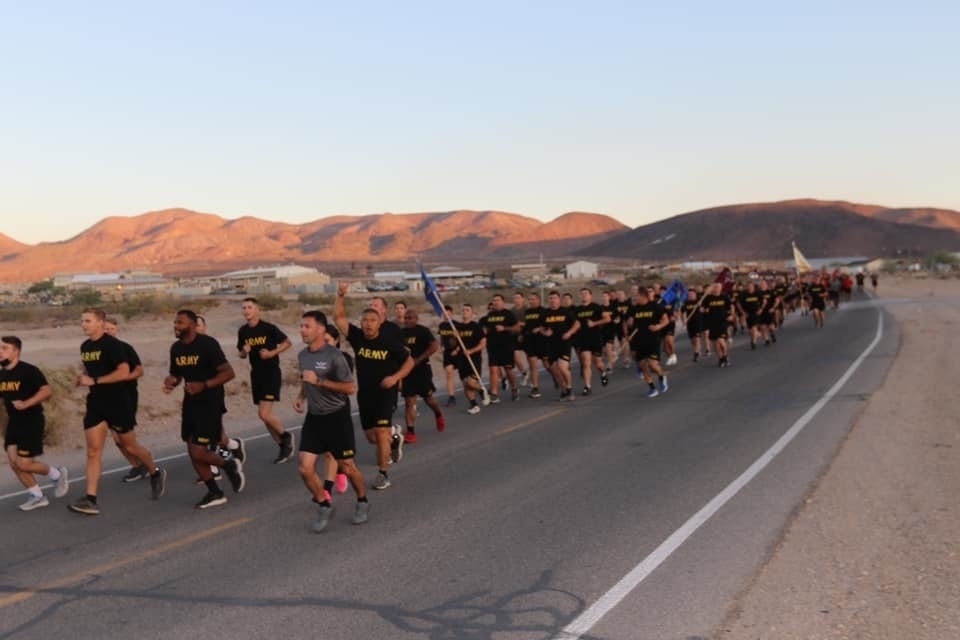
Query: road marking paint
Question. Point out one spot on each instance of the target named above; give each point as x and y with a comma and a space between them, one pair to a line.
527, 423
20, 596
586, 620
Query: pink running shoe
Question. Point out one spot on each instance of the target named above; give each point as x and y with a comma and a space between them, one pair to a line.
341, 483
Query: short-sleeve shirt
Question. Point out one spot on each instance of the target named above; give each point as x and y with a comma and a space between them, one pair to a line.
470, 333
716, 307
328, 363
447, 338
102, 357
22, 382
418, 340
750, 302
496, 339
263, 335
375, 358
532, 319
133, 359
585, 312
559, 321
198, 361
644, 315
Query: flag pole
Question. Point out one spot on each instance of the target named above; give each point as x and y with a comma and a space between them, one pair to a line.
463, 348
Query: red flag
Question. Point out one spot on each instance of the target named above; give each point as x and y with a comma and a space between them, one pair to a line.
726, 279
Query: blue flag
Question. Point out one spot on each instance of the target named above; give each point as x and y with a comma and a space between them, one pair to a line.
431, 293
676, 293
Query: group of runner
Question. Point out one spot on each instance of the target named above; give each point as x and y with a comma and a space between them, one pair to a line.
389, 359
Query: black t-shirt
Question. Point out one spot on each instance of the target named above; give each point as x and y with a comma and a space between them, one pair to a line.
263, 335
585, 312
418, 339
471, 333
559, 321
691, 312
716, 307
101, 357
133, 359
644, 315
391, 330
769, 300
816, 290
447, 338
621, 308
505, 338
376, 358
750, 302
532, 319
860, 278
198, 361
21, 383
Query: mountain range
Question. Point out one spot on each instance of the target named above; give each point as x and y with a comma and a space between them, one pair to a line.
180, 241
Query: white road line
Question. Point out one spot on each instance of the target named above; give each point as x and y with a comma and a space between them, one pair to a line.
586, 620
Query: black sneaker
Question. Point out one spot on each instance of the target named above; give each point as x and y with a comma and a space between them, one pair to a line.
85, 506
234, 470
158, 483
212, 499
286, 448
514, 394
753, 346
534, 393
604, 380
773, 337
135, 473
396, 448
240, 453
587, 391
696, 356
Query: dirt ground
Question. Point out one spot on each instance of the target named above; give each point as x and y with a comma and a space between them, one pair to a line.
873, 554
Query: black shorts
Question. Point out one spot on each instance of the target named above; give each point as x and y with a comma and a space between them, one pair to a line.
533, 345
449, 360
717, 330
419, 383
766, 317
463, 366
500, 355
752, 320
609, 333
115, 410
329, 433
26, 436
592, 343
201, 423
694, 328
265, 385
376, 407
558, 350
669, 330
648, 349
818, 303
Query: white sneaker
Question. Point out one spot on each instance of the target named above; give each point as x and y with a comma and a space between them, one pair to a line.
62, 484
672, 360
34, 502
526, 379
474, 410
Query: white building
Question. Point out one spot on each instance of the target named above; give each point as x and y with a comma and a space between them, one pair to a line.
279, 279
581, 270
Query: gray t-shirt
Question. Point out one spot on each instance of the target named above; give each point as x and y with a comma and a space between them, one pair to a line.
329, 364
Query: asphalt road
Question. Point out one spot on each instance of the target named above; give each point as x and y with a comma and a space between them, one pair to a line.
513, 524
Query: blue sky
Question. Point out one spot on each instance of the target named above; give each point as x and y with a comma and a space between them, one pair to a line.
298, 110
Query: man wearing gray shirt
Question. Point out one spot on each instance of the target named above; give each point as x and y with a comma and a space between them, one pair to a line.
326, 382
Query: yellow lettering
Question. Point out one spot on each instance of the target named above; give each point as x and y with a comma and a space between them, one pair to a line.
187, 361
12, 385
90, 356
372, 354
258, 341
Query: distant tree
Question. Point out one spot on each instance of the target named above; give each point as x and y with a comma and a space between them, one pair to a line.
41, 287
87, 297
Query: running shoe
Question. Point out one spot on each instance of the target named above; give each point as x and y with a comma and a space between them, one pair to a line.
340, 484
514, 394
696, 356
587, 391
570, 395
158, 483
773, 337
234, 470
410, 438
240, 453
604, 380
494, 398
135, 473
286, 448
361, 513
534, 393
34, 502
381, 482
484, 397
327, 496
608, 370
396, 448
526, 379
63, 483
653, 393
663, 385
672, 360
474, 410
323, 518
212, 499
85, 506
451, 401
753, 346
441, 423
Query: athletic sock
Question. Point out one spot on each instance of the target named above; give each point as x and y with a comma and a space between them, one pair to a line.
212, 485
92, 498
384, 472
650, 384
328, 485
35, 491
54, 474
363, 499
411, 428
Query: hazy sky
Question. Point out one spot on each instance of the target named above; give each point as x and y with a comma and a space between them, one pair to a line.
298, 110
